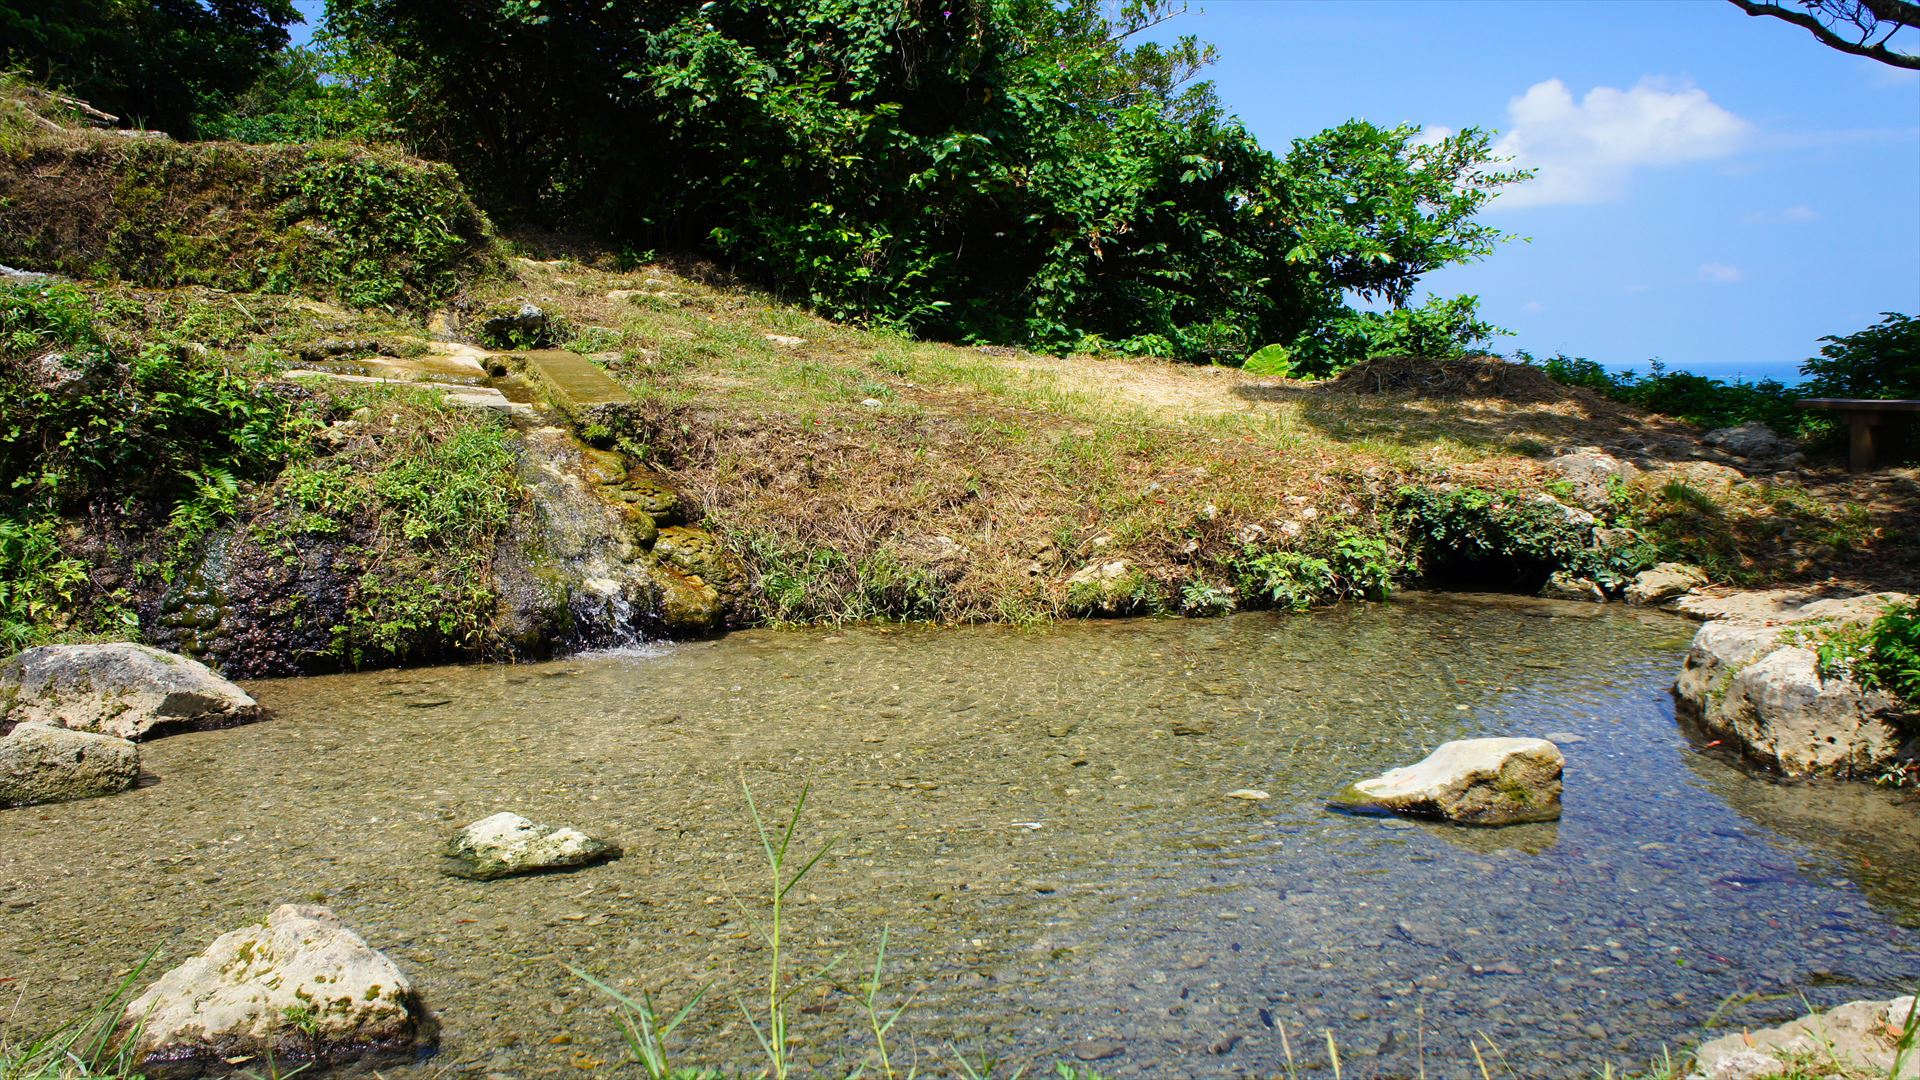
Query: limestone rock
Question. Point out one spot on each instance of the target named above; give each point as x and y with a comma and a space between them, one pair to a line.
1714, 479
1564, 585
125, 690
507, 844
1759, 685
1752, 440
1474, 782
41, 763
1667, 581
301, 987
1590, 472
1858, 1037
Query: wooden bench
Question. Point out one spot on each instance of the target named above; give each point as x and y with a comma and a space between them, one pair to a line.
1866, 420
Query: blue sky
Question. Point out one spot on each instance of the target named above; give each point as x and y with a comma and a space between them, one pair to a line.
1718, 191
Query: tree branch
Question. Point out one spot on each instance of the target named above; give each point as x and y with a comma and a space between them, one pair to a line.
1899, 11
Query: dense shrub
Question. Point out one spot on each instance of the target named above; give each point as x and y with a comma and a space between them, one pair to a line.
78, 418
1698, 399
366, 227
1882, 361
1892, 655
1505, 541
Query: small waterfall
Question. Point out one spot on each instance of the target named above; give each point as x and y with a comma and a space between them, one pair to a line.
589, 555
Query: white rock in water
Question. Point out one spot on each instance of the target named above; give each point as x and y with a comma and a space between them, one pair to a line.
125, 690
1855, 1039
507, 844
1760, 687
40, 763
1474, 782
301, 987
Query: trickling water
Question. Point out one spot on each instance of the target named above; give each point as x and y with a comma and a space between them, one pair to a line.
586, 546
1059, 870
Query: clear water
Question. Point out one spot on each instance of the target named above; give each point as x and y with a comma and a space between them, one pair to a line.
1060, 872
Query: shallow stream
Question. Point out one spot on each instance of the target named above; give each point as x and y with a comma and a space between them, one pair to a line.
1039, 817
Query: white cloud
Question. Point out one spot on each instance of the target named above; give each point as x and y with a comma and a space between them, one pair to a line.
1587, 150
1796, 214
1533, 307
1721, 273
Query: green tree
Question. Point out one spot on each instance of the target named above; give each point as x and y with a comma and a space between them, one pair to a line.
1007, 170
1882, 361
166, 64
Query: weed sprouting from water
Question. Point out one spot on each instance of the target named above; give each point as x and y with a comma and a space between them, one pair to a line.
643, 1032
773, 1037
89, 1047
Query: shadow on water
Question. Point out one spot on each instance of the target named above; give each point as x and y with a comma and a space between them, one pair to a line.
1060, 871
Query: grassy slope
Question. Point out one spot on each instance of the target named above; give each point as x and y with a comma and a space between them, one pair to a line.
862, 474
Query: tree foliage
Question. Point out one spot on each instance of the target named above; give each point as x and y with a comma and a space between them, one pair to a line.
1005, 170
1857, 27
1882, 361
164, 64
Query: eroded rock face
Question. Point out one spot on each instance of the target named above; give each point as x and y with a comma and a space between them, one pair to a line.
41, 763
124, 690
507, 844
1473, 782
1754, 678
301, 987
1667, 581
1860, 1036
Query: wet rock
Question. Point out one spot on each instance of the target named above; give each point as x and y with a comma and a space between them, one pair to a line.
1473, 782
300, 987
41, 763
1667, 581
1856, 1039
1249, 794
1753, 440
507, 844
1759, 686
125, 690
1564, 585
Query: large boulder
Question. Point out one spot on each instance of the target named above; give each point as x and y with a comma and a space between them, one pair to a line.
1859, 1038
1473, 782
1593, 474
40, 763
1753, 440
125, 690
1753, 677
507, 844
300, 987
1667, 581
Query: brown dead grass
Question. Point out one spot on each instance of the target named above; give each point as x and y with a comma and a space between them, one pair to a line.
859, 473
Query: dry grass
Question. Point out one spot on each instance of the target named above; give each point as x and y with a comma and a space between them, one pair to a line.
861, 474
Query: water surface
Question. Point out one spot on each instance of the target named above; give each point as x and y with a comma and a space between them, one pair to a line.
1039, 819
